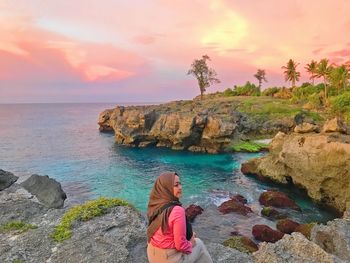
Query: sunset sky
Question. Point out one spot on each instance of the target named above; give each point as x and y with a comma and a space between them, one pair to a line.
134, 51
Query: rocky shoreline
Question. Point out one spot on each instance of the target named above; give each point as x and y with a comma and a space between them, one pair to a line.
119, 234
200, 126
315, 159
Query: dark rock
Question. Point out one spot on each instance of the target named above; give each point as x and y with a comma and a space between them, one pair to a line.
47, 190
241, 243
234, 205
192, 211
305, 229
272, 213
277, 199
6, 179
239, 198
267, 234
286, 226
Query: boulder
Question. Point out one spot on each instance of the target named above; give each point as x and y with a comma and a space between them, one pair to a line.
334, 125
266, 233
234, 205
277, 199
47, 190
272, 213
193, 211
6, 179
293, 248
286, 226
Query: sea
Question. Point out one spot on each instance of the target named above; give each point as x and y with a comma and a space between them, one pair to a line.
63, 141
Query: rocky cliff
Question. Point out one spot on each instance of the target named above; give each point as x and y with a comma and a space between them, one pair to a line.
204, 126
315, 159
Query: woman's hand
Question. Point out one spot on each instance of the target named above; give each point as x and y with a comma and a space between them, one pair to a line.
193, 241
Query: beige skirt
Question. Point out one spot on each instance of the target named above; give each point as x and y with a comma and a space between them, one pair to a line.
162, 255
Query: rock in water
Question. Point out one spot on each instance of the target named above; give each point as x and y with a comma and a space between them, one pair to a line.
47, 190
6, 179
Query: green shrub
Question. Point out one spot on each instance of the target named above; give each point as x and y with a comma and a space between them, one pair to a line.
270, 91
16, 226
84, 212
341, 105
228, 93
248, 89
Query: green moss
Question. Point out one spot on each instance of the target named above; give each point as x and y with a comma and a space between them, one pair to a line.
17, 227
266, 211
84, 212
249, 146
17, 261
241, 244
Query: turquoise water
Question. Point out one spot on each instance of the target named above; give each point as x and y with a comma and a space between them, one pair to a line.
63, 141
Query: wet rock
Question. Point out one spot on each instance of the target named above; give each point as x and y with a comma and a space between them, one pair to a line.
241, 243
47, 190
286, 226
272, 213
266, 233
305, 229
235, 205
239, 198
334, 238
293, 248
6, 179
193, 211
277, 199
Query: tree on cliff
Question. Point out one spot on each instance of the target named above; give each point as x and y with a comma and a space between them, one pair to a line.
323, 71
204, 75
291, 73
261, 76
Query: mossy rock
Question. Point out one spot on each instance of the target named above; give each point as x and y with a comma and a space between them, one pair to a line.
249, 146
272, 213
84, 212
16, 227
241, 243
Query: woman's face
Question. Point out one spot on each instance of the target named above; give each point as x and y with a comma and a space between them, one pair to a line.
177, 187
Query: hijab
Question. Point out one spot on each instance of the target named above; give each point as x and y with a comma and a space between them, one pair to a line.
162, 194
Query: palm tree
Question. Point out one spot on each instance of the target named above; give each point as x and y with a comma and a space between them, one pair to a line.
312, 69
291, 73
323, 70
261, 76
339, 77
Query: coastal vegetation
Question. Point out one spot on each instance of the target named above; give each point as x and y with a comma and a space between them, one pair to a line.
84, 212
330, 97
16, 227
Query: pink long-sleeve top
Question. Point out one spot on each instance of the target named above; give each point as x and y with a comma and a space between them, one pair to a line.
176, 234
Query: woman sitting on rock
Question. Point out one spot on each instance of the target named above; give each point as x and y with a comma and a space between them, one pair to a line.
170, 237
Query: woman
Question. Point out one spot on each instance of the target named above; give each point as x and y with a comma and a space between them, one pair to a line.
166, 231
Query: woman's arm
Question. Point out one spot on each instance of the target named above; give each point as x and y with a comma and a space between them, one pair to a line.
179, 229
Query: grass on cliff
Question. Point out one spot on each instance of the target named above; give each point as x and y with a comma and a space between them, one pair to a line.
271, 108
16, 227
249, 146
84, 212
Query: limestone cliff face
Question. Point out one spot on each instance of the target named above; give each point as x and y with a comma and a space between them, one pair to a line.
184, 125
317, 162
